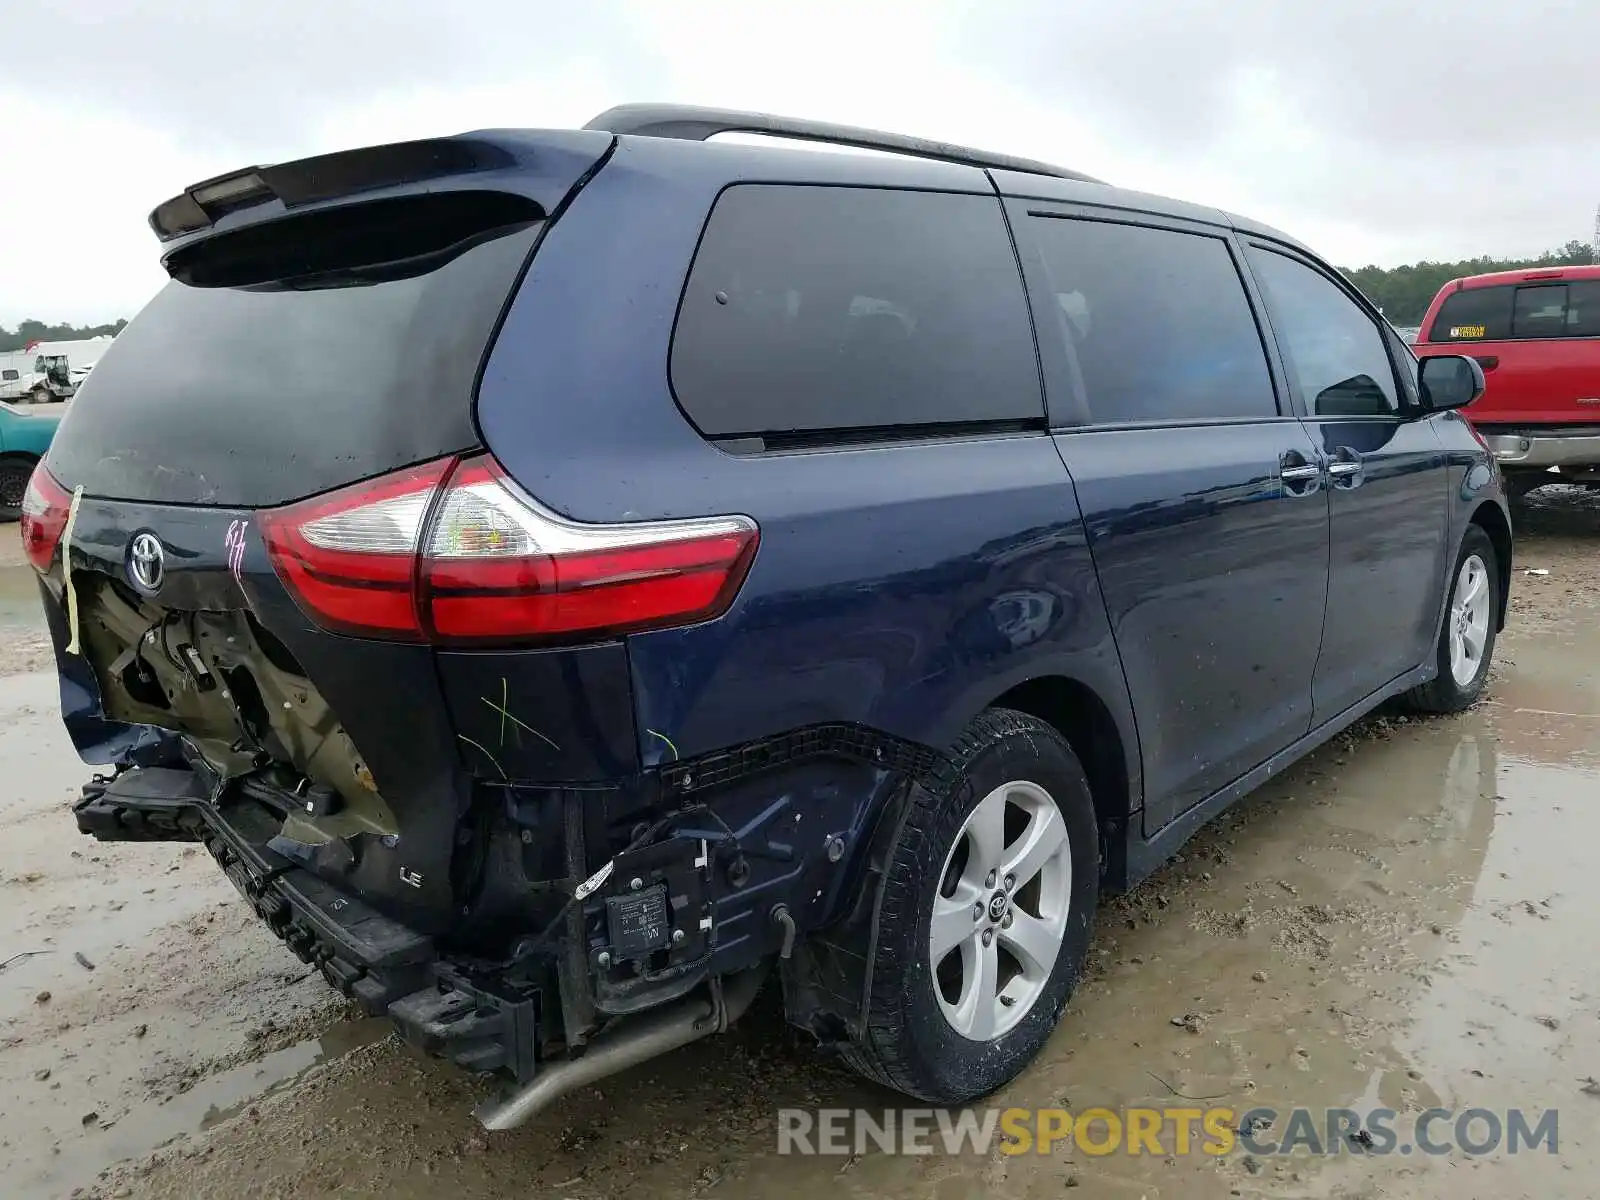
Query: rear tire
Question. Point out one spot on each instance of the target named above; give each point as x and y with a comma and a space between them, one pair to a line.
1465, 650
42, 395
14, 476
951, 1020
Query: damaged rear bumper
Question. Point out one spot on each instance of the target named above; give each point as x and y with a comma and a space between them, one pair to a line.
388, 968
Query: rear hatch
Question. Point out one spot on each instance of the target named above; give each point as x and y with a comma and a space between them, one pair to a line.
304, 349
1537, 336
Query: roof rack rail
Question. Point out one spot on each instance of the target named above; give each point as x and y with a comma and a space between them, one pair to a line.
693, 123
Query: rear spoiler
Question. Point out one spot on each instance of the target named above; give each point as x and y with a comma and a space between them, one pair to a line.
325, 177
349, 172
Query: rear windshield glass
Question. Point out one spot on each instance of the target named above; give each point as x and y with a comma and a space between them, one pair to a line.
1518, 311
833, 308
1474, 315
260, 393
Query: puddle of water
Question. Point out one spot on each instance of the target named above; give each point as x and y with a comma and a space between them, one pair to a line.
1364, 939
1395, 924
1403, 920
149, 1126
174, 974
35, 694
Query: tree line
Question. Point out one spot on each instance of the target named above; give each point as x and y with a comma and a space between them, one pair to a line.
37, 331
1404, 293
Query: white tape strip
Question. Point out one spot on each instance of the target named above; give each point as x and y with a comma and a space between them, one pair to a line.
66, 572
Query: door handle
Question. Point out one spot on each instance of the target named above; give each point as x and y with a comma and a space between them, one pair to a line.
1346, 469
1299, 477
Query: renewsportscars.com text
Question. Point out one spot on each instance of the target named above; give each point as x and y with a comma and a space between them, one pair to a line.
1473, 1132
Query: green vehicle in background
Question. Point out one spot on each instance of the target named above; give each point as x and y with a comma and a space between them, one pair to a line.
25, 433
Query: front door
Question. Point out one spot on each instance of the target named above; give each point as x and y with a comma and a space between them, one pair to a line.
1204, 500
1388, 507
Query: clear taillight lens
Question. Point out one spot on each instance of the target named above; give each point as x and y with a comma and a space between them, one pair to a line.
350, 557
499, 566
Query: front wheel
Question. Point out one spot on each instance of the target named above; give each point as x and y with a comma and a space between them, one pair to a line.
1466, 638
986, 913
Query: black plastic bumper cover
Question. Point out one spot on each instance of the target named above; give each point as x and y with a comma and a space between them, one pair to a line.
386, 967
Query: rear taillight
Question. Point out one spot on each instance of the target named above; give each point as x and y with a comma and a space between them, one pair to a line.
453, 551
350, 557
45, 506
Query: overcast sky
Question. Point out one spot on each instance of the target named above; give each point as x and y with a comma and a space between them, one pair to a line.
1376, 130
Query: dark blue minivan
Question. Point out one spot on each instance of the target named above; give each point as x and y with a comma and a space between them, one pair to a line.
563, 576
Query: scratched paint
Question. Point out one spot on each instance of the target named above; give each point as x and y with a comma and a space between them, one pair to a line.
233, 545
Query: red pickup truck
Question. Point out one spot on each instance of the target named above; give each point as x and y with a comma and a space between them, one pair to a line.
1536, 334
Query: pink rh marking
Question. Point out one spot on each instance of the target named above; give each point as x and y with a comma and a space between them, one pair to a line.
234, 544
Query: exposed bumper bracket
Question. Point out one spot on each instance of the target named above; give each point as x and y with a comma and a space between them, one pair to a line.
378, 962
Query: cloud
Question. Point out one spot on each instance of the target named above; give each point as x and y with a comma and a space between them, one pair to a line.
1368, 127
1376, 130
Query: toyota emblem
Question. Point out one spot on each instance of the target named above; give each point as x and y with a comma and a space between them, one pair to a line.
146, 562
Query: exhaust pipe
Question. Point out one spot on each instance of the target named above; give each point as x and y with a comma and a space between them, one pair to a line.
635, 1040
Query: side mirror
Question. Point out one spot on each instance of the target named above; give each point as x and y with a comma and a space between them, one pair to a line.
1449, 381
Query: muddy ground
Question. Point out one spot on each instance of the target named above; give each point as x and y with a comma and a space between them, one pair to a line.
1407, 919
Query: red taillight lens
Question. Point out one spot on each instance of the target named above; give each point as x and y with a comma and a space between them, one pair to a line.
464, 556
45, 505
350, 557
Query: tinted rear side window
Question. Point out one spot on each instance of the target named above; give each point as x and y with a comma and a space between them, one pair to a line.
826, 308
263, 392
1158, 320
1474, 315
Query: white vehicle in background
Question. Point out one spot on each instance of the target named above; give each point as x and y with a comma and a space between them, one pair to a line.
50, 381
47, 372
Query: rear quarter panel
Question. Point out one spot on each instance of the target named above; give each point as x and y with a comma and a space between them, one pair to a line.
1474, 482
901, 586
